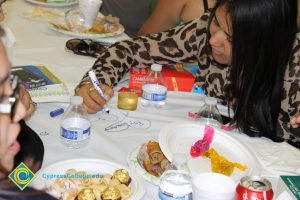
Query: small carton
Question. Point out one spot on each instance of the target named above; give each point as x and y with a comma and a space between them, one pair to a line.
176, 77
288, 188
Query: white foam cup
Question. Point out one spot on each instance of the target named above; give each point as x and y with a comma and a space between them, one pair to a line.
213, 186
90, 10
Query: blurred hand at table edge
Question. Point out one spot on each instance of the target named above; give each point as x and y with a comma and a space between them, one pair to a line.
92, 100
295, 121
26, 100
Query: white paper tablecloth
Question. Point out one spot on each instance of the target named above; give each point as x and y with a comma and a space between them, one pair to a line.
37, 44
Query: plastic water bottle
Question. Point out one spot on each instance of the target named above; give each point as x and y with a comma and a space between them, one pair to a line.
176, 183
209, 113
75, 20
154, 88
75, 126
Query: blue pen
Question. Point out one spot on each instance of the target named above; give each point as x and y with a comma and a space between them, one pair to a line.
56, 112
97, 86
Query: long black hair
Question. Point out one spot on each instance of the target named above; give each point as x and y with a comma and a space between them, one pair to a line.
263, 32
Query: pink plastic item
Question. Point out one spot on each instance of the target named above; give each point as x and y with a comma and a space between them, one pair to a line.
226, 127
202, 145
193, 115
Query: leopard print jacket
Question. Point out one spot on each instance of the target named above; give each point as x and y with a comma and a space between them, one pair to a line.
187, 43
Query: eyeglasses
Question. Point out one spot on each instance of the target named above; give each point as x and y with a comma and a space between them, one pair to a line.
10, 107
86, 47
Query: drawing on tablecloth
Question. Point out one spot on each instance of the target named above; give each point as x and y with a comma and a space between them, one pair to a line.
127, 123
121, 121
44, 133
113, 116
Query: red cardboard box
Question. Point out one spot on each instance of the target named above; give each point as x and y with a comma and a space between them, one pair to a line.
177, 79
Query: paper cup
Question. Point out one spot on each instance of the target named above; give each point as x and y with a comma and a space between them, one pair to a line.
213, 186
90, 10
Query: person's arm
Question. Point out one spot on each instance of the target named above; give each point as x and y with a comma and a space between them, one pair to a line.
292, 80
165, 16
290, 104
177, 45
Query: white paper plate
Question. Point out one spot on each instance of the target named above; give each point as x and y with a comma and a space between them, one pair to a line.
89, 165
178, 137
56, 14
117, 31
134, 164
52, 4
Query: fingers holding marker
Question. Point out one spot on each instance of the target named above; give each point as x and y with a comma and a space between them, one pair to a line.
87, 93
97, 98
97, 86
108, 92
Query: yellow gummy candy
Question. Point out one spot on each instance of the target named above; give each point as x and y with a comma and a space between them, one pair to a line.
220, 164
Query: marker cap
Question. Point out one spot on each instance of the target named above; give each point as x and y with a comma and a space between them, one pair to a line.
56, 112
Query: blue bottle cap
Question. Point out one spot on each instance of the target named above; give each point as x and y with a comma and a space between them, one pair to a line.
56, 112
198, 90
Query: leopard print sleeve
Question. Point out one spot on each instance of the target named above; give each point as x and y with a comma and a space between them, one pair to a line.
177, 45
290, 103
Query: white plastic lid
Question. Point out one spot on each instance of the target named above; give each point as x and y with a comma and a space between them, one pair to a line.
156, 67
211, 101
179, 159
76, 100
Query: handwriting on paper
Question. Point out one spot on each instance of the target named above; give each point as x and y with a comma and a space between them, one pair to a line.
44, 133
121, 121
128, 123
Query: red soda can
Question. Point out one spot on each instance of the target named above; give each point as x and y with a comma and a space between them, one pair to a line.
254, 188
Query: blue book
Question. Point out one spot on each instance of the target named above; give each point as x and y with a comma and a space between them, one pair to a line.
33, 76
41, 83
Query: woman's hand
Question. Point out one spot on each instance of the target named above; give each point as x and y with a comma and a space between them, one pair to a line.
295, 121
92, 100
26, 100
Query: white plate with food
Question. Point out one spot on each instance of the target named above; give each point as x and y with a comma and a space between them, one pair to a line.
39, 13
52, 3
99, 29
139, 160
100, 176
178, 137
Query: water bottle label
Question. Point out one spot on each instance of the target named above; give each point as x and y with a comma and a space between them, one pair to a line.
167, 196
154, 96
75, 133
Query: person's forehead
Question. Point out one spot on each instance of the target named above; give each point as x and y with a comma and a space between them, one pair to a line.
223, 18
